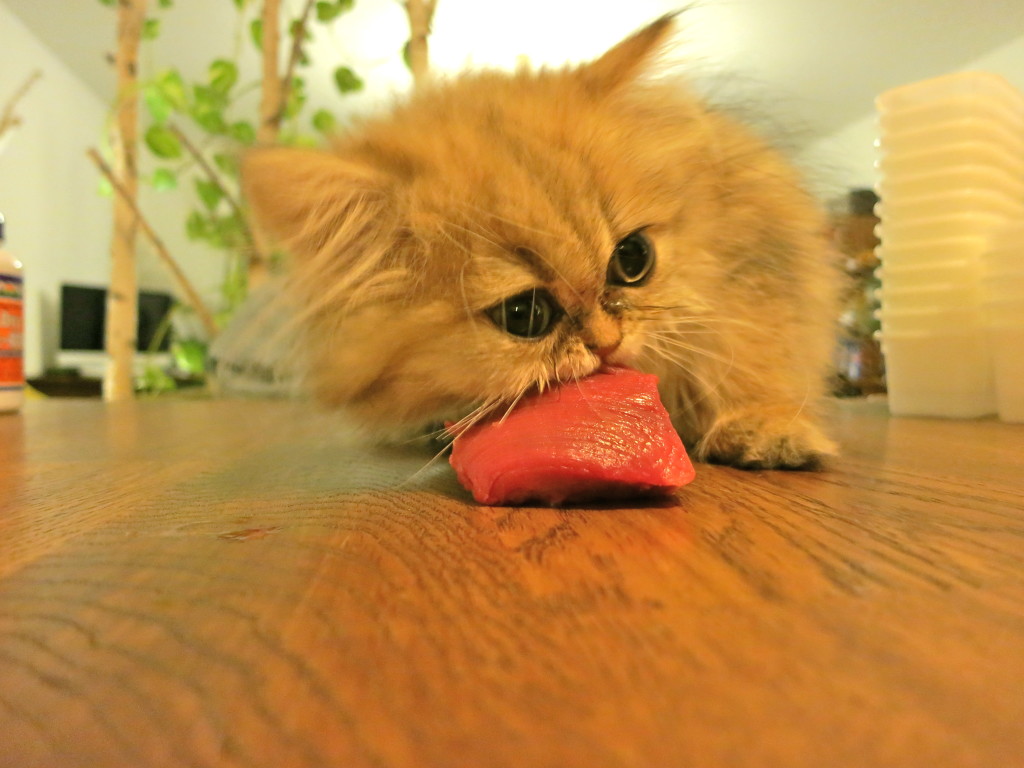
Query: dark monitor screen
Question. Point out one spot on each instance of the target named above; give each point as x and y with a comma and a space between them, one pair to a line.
83, 313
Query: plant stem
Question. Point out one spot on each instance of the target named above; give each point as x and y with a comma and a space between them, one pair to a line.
421, 14
8, 119
270, 121
293, 59
191, 296
122, 297
201, 161
272, 96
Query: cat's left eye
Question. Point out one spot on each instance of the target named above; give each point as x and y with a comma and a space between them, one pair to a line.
632, 261
530, 314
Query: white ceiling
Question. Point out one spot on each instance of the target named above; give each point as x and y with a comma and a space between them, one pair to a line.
822, 60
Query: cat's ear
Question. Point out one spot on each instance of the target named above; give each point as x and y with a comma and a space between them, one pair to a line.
303, 198
622, 64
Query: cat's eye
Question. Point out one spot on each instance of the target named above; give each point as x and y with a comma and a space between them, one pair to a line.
530, 314
632, 261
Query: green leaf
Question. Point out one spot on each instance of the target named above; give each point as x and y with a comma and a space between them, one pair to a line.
150, 29
164, 179
195, 226
211, 121
165, 3
223, 75
235, 286
154, 381
162, 142
324, 121
172, 87
296, 101
209, 193
104, 187
190, 356
228, 231
296, 98
207, 98
243, 132
156, 102
228, 164
328, 11
407, 54
208, 108
347, 80
108, 2
256, 30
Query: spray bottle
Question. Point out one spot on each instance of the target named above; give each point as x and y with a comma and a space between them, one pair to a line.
12, 291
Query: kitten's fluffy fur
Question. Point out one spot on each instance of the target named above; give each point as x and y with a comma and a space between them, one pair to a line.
409, 228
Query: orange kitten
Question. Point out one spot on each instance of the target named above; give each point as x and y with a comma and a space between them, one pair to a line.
502, 232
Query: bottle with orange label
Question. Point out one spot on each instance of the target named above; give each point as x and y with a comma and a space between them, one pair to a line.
12, 292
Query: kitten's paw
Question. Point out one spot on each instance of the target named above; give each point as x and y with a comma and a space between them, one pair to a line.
753, 441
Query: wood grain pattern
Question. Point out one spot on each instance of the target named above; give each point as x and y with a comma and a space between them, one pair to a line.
232, 584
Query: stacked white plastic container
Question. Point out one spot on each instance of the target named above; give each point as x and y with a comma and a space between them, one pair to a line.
951, 165
1003, 293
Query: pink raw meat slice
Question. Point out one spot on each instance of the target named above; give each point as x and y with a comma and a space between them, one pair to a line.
605, 437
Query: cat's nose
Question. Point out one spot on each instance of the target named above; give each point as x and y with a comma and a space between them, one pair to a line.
602, 334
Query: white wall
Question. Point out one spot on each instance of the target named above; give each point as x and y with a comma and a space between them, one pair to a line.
57, 223
846, 158
55, 219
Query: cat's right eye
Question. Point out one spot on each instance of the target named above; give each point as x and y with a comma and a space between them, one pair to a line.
632, 260
530, 314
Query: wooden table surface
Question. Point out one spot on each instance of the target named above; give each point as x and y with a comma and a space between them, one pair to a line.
229, 583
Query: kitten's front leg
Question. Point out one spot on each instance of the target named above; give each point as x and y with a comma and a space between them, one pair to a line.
765, 437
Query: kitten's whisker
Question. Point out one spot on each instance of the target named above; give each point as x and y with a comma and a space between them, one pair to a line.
688, 314
658, 307
684, 355
590, 405
803, 404
693, 331
456, 429
706, 389
705, 321
419, 472
467, 421
677, 343
512, 405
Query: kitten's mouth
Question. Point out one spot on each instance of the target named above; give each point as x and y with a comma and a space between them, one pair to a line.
617, 359
445, 432
463, 417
